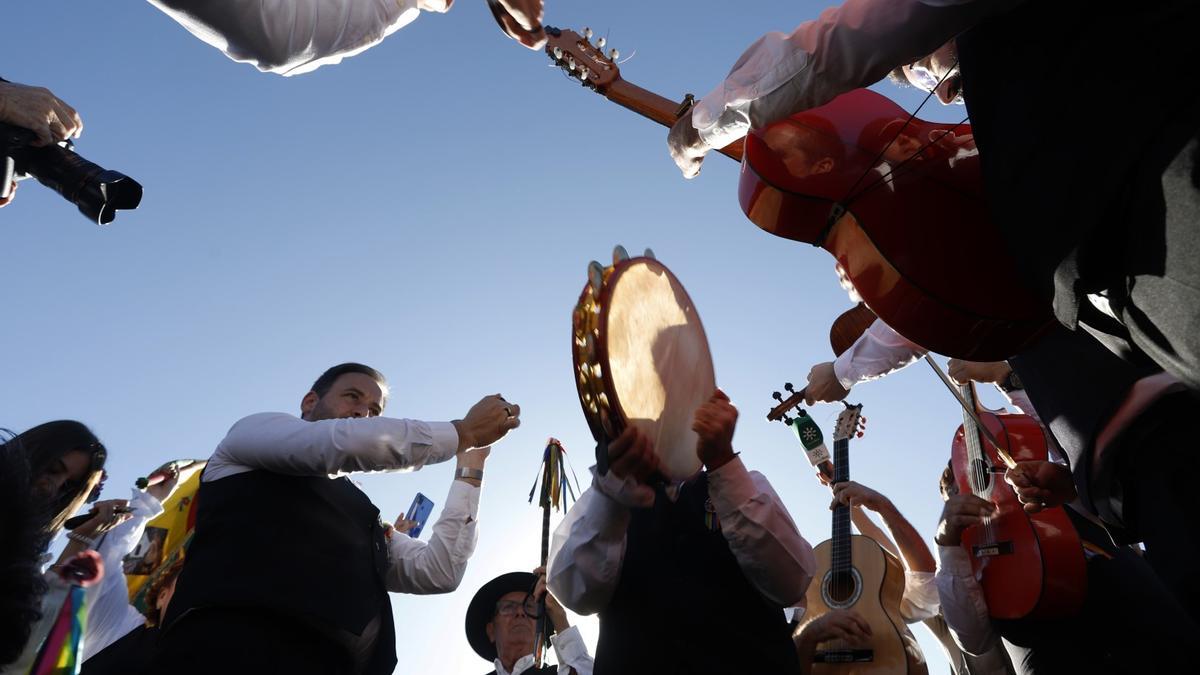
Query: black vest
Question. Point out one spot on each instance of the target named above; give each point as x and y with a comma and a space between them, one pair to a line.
306, 547
544, 670
1077, 107
682, 604
130, 655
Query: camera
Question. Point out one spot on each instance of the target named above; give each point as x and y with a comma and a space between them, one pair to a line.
98, 192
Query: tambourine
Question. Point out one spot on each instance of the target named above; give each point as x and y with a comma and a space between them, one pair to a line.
641, 358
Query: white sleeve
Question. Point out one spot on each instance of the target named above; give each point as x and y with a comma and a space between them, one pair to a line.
920, 599
587, 550
963, 605
846, 47
109, 614
289, 37
571, 652
289, 445
877, 352
769, 548
438, 566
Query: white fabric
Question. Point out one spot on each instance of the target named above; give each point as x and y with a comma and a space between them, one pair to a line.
963, 603
589, 545
289, 37
437, 566
110, 617
846, 47
920, 599
568, 647
876, 353
286, 444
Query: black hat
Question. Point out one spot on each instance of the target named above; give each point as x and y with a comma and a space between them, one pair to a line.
483, 608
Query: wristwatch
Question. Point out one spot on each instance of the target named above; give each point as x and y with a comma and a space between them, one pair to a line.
464, 472
1012, 382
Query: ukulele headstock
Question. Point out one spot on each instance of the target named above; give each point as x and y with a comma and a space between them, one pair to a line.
581, 59
850, 423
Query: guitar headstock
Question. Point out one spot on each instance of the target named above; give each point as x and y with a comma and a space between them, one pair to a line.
581, 59
850, 423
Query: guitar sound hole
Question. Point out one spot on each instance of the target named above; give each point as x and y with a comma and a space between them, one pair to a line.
842, 587
981, 475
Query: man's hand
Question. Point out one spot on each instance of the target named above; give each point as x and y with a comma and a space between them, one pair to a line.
40, 111
521, 20
632, 454
554, 611
714, 423
991, 372
854, 494
1041, 484
12, 192
105, 516
837, 624
823, 385
487, 422
686, 146
403, 525
959, 513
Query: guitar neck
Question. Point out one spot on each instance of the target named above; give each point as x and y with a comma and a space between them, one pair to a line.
840, 559
662, 110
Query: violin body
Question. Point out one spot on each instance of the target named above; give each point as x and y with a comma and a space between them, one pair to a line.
914, 239
892, 647
1029, 565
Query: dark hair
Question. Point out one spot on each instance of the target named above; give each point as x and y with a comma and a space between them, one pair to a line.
327, 378
22, 541
156, 587
45, 444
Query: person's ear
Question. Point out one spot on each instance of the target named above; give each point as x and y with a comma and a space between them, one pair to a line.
491, 631
824, 165
308, 403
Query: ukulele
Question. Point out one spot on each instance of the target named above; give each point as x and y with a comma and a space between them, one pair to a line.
1029, 564
897, 201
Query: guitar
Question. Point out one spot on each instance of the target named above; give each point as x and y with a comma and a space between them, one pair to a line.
854, 572
897, 201
1030, 564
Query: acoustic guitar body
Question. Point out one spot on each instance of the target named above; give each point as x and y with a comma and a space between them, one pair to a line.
915, 238
875, 595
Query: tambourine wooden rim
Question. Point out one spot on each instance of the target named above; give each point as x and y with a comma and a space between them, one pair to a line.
598, 396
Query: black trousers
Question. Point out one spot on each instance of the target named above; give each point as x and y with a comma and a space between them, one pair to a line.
237, 641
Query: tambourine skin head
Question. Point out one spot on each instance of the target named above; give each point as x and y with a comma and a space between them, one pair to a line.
642, 358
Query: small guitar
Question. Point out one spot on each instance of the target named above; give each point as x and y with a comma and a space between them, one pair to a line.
896, 200
1030, 564
854, 572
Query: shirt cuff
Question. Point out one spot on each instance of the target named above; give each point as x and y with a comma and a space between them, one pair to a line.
144, 504
444, 441
730, 486
841, 370
569, 646
954, 561
463, 498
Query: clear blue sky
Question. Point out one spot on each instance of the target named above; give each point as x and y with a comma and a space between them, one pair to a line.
428, 207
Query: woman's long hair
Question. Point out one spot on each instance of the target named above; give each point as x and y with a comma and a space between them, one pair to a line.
44, 445
23, 538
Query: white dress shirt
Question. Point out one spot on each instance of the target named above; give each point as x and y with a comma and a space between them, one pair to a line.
110, 617
438, 566
963, 602
589, 545
289, 37
876, 353
845, 48
571, 652
286, 444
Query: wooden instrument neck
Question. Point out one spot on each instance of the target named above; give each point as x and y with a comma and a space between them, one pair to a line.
840, 559
660, 109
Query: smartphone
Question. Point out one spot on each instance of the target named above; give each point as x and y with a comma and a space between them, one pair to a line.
421, 507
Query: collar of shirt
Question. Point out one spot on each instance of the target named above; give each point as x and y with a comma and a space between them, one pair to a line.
524, 663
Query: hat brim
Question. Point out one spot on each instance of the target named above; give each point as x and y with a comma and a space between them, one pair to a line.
483, 608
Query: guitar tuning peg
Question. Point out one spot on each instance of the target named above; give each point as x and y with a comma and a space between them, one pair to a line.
557, 52
787, 420
570, 63
859, 434
613, 54
587, 33
862, 419
601, 42
583, 74
777, 396
788, 386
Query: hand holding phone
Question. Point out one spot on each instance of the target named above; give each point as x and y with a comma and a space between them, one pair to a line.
418, 513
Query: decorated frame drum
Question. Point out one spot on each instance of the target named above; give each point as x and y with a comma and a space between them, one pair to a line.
641, 358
